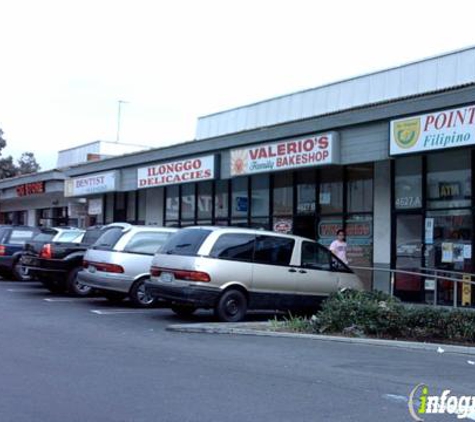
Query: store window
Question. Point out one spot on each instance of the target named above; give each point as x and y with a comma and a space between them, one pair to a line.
331, 190
450, 248
283, 194
120, 207
306, 192
109, 208
260, 195
449, 180
327, 229
142, 206
188, 201
240, 198
360, 188
172, 203
408, 183
205, 201
131, 204
221, 199
359, 237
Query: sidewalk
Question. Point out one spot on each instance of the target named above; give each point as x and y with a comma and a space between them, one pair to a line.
265, 329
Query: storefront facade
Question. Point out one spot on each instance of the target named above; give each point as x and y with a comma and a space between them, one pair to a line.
37, 200
312, 175
433, 209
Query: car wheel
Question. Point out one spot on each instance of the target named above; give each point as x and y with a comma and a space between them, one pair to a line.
183, 310
139, 296
53, 286
18, 272
76, 288
114, 297
232, 306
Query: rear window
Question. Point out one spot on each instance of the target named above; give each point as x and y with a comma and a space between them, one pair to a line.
68, 236
146, 243
91, 236
45, 236
234, 246
20, 237
185, 242
273, 250
109, 238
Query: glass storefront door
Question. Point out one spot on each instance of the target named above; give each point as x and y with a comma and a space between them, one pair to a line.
450, 249
409, 287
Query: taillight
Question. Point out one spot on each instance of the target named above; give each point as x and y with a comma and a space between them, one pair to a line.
104, 267
3, 250
197, 276
46, 251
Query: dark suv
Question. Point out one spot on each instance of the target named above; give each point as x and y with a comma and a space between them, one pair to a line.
12, 241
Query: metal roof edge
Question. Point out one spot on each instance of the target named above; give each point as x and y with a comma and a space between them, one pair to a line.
363, 75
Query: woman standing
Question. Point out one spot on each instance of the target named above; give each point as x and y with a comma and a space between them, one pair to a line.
339, 246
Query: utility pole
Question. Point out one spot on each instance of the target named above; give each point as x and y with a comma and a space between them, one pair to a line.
118, 118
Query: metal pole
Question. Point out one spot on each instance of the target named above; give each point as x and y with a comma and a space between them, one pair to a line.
118, 119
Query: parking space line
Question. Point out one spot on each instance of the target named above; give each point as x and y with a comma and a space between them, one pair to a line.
98, 312
23, 290
63, 299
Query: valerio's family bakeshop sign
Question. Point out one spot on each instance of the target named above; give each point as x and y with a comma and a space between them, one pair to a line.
89, 185
183, 171
433, 131
313, 150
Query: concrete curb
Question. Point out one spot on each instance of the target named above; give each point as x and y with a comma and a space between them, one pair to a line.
264, 329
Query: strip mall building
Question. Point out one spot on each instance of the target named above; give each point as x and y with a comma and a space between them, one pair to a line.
387, 156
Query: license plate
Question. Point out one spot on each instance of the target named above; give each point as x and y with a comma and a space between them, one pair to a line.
167, 277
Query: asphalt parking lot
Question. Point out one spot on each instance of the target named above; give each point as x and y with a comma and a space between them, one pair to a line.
70, 359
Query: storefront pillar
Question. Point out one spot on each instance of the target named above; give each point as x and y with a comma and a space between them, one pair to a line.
382, 225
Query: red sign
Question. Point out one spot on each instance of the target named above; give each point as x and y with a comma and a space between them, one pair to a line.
30, 189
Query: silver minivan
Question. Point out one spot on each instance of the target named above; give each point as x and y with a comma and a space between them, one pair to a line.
119, 262
230, 270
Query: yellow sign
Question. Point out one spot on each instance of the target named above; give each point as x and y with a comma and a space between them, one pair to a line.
466, 291
406, 132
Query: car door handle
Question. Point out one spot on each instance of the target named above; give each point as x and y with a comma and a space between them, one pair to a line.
292, 270
303, 272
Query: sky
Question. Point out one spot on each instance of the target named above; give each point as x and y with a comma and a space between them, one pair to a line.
64, 65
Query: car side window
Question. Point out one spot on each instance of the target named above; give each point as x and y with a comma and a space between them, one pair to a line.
234, 246
146, 243
20, 237
273, 250
316, 257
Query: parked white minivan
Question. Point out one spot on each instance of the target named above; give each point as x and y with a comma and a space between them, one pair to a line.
231, 269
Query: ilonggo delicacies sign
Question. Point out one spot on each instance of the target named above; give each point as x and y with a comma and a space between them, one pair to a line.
433, 131
183, 171
315, 150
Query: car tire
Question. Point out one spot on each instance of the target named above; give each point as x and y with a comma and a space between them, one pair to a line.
183, 310
74, 287
114, 297
18, 272
53, 286
231, 306
138, 296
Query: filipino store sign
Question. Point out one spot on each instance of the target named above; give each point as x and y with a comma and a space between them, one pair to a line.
433, 131
183, 171
313, 150
89, 185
